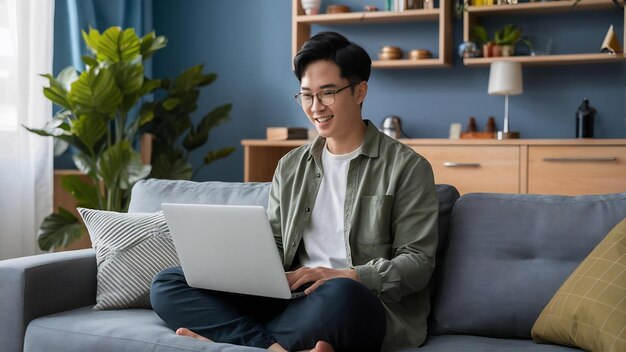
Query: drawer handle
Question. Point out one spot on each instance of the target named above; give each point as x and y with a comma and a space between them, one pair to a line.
582, 159
455, 164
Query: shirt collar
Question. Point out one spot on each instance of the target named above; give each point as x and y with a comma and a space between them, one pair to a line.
371, 143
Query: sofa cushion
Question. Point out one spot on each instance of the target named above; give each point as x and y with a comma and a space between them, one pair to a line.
130, 249
588, 310
147, 195
507, 255
447, 197
130, 330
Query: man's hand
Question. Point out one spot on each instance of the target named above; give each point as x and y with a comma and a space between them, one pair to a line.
317, 276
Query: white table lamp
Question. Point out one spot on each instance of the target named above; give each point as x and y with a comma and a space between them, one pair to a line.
505, 78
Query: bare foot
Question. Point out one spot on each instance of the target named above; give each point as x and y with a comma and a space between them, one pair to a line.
276, 347
323, 346
189, 333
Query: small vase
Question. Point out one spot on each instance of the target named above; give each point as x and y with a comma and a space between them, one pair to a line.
497, 50
508, 50
311, 7
488, 50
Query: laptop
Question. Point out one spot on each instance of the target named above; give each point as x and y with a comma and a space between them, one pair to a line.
228, 248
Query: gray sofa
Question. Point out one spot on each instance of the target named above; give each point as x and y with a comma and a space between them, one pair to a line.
501, 258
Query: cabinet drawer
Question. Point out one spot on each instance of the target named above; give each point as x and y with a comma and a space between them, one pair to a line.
576, 170
475, 168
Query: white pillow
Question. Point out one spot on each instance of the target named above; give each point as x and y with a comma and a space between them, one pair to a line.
131, 248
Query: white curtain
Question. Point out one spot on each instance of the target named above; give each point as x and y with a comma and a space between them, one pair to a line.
26, 34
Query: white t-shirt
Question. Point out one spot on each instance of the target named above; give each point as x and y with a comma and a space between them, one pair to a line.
324, 240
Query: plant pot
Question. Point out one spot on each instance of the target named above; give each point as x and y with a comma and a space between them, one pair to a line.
507, 50
497, 50
488, 50
311, 7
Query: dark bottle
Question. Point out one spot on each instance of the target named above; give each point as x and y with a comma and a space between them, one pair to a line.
491, 125
471, 125
585, 116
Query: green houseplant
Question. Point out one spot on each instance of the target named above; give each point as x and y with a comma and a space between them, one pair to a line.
503, 43
101, 114
479, 34
172, 122
505, 39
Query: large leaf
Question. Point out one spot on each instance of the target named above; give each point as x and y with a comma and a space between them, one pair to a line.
194, 140
150, 43
85, 194
95, 94
149, 85
59, 230
207, 79
120, 166
85, 164
192, 78
146, 113
90, 61
187, 102
89, 130
116, 45
218, 154
92, 39
171, 166
128, 76
171, 103
59, 146
57, 92
215, 118
56, 127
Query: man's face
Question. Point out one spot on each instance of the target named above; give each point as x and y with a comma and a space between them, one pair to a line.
341, 118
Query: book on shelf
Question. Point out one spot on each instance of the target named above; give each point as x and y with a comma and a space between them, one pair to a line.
285, 133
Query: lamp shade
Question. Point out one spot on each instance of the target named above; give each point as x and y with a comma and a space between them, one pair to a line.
505, 78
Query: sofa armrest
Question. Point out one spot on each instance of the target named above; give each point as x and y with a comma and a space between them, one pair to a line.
35, 286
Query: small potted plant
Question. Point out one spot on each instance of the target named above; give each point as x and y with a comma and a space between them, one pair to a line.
505, 40
479, 35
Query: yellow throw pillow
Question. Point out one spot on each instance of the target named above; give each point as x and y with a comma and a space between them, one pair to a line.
589, 310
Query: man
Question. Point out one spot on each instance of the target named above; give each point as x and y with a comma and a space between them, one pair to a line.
354, 215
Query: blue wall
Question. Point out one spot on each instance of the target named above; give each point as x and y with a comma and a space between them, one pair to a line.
248, 44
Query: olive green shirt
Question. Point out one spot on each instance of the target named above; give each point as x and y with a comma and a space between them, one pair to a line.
390, 224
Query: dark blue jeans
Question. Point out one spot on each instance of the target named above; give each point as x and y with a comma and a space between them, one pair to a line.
342, 312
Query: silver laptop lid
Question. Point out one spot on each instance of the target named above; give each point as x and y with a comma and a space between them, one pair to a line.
227, 248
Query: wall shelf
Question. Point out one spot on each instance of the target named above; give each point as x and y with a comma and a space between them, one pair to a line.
421, 63
301, 30
371, 17
540, 7
473, 13
562, 59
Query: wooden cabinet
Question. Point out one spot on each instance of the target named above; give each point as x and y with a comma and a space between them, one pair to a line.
543, 166
474, 14
474, 168
576, 170
301, 30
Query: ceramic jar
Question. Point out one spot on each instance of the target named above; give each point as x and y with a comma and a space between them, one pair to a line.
311, 7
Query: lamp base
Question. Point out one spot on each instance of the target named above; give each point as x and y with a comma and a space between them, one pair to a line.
507, 135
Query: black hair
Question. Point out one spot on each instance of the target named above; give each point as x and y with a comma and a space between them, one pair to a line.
354, 63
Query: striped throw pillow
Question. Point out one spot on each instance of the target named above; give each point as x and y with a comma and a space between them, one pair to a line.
131, 248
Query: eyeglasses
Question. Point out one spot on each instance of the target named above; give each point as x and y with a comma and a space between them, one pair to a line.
326, 97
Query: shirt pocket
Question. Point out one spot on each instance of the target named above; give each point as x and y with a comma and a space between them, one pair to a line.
374, 223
